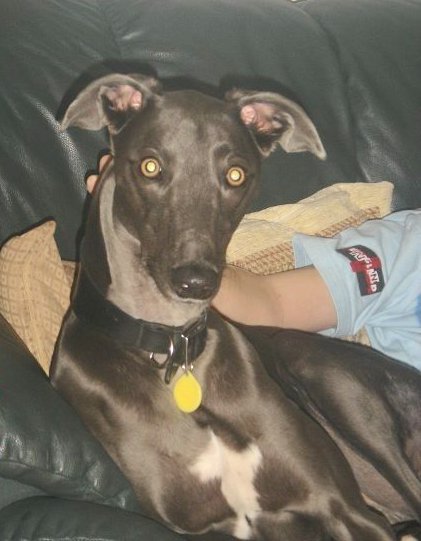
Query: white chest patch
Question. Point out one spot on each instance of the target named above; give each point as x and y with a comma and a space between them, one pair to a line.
236, 471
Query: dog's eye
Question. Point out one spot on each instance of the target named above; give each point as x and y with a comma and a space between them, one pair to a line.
235, 176
150, 168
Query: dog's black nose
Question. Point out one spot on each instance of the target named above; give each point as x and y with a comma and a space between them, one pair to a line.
194, 281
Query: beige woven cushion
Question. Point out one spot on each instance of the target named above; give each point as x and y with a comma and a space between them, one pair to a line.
35, 284
34, 289
262, 243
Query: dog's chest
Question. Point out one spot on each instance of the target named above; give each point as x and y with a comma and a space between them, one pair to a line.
235, 471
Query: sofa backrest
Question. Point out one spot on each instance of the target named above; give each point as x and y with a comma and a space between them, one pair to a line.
354, 66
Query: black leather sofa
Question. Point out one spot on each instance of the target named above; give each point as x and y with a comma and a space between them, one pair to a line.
356, 68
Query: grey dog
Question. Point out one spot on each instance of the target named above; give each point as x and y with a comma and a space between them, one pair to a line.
239, 455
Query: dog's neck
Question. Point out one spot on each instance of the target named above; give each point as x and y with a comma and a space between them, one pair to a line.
166, 346
111, 258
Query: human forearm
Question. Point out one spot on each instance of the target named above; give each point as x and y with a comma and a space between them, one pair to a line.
294, 299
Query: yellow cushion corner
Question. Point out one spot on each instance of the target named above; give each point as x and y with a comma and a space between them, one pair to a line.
34, 289
262, 243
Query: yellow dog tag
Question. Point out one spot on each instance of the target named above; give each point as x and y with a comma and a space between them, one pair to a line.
187, 392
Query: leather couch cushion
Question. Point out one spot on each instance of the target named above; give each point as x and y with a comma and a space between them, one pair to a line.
43, 443
52, 519
354, 66
378, 45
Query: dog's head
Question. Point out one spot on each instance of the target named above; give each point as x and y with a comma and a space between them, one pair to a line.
186, 166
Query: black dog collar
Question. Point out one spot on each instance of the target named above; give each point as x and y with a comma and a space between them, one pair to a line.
181, 345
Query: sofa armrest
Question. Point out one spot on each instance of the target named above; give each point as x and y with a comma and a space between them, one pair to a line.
43, 443
55, 519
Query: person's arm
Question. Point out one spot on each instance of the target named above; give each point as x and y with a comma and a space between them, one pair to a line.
297, 299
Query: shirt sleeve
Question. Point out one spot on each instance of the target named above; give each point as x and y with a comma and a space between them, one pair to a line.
373, 273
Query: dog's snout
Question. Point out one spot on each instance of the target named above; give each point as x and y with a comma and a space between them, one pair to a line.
194, 281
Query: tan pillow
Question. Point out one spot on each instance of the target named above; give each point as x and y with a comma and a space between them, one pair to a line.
262, 243
34, 290
35, 284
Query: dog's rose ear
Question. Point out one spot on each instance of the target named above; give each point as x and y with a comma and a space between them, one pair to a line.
110, 101
273, 119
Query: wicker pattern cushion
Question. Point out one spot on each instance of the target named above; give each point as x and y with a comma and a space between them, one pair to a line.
262, 244
35, 283
34, 289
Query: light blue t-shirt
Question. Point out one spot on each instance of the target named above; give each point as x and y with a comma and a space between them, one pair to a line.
373, 273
